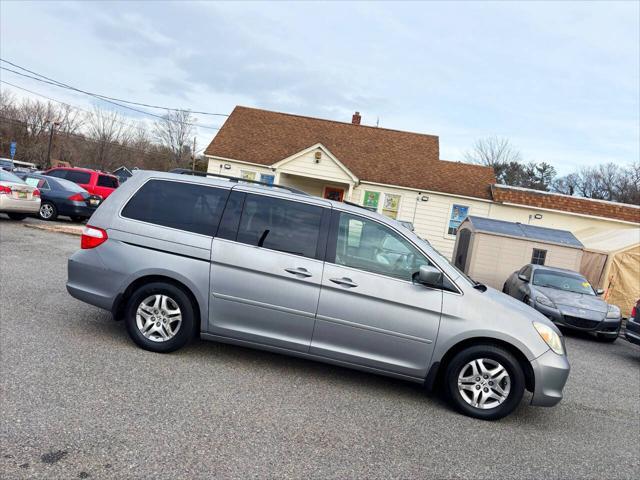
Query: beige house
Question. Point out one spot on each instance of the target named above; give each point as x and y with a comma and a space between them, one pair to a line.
399, 174
490, 250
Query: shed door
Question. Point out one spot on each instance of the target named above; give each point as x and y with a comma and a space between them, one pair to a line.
463, 249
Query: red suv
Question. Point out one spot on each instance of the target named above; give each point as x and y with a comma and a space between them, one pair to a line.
94, 182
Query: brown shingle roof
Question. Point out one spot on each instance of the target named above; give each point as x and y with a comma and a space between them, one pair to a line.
373, 154
555, 201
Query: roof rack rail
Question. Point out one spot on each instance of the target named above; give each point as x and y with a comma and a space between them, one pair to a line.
359, 206
186, 171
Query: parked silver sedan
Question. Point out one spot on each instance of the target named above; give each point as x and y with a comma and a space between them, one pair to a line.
17, 199
566, 298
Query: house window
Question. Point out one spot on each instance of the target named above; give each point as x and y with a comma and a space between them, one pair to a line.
458, 214
247, 175
538, 256
267, 178
391, 205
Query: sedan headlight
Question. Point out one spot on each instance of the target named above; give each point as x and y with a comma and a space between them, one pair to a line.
550, 337
613, 312
542, 300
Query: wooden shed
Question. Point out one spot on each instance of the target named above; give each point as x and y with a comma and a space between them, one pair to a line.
490, 250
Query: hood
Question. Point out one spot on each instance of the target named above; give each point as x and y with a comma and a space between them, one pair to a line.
517, 310
571, 299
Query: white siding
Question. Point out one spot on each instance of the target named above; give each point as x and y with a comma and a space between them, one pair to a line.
430, 218
326, 168
236, 168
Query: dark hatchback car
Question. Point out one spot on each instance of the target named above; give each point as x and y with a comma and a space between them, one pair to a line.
62, 197
632, 330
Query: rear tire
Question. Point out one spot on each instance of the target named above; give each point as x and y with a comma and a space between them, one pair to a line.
17, 216
151, 317
48, 211
490, 394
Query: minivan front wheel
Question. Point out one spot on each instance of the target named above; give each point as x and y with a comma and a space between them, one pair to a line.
485, 381
160, 317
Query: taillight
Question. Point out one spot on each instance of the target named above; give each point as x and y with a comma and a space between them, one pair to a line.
4, 190
76, 198
633, 312
36, 193
92, 237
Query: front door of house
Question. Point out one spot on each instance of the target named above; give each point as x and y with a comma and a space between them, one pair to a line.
334, 193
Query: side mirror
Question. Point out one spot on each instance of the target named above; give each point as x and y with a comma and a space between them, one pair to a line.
523, 278
599, 291
429, 276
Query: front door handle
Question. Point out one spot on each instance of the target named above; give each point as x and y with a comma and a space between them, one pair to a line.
300, 272
344, 281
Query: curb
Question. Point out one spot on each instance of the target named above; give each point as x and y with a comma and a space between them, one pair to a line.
69, 230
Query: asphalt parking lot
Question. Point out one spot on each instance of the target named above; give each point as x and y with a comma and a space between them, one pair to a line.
79, 400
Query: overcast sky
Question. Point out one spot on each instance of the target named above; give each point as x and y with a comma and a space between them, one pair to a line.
561, 80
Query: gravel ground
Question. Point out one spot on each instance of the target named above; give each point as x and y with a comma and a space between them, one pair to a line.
79, 400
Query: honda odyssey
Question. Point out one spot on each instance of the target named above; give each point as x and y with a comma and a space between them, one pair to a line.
269, 267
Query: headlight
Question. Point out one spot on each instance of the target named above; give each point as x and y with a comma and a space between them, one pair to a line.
542, 300
613, 312
550, 337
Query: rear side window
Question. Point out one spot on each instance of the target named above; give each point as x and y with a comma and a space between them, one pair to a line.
107, 181
282, 225
184, 206
78, 177
57, 173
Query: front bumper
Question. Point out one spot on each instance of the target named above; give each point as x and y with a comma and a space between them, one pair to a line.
632, 331
606, 326
551, 372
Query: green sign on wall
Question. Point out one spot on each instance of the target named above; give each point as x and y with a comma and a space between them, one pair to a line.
371, 199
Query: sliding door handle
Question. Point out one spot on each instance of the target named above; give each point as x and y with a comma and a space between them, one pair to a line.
300, 272
344, 281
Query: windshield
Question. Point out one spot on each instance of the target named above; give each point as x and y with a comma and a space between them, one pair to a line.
9, 177
562, 281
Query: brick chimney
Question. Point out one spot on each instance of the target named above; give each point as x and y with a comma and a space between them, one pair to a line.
355, 119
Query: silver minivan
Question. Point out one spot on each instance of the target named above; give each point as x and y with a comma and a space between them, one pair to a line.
177, 255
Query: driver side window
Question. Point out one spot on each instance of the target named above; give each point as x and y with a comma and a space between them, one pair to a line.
373, 247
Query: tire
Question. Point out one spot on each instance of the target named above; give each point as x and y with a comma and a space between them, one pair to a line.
177, 335
525, 299
504, 289
48, 211
77, 219
17, 216
491, 357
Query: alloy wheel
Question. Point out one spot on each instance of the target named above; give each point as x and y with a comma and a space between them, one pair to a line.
484, 383
158, 318
46, 211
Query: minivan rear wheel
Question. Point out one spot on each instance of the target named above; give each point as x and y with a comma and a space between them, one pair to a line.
485, 381
160, 317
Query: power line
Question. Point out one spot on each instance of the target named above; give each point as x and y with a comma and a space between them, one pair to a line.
113, 98
61, 102
61, 85
79, 136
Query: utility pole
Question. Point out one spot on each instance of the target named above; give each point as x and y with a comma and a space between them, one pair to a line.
193, 155
51, 130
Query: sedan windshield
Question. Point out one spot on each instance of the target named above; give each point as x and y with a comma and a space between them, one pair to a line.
562, 281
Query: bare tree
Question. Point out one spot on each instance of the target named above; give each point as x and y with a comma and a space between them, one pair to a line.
107, 129
493, 152
175, 131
